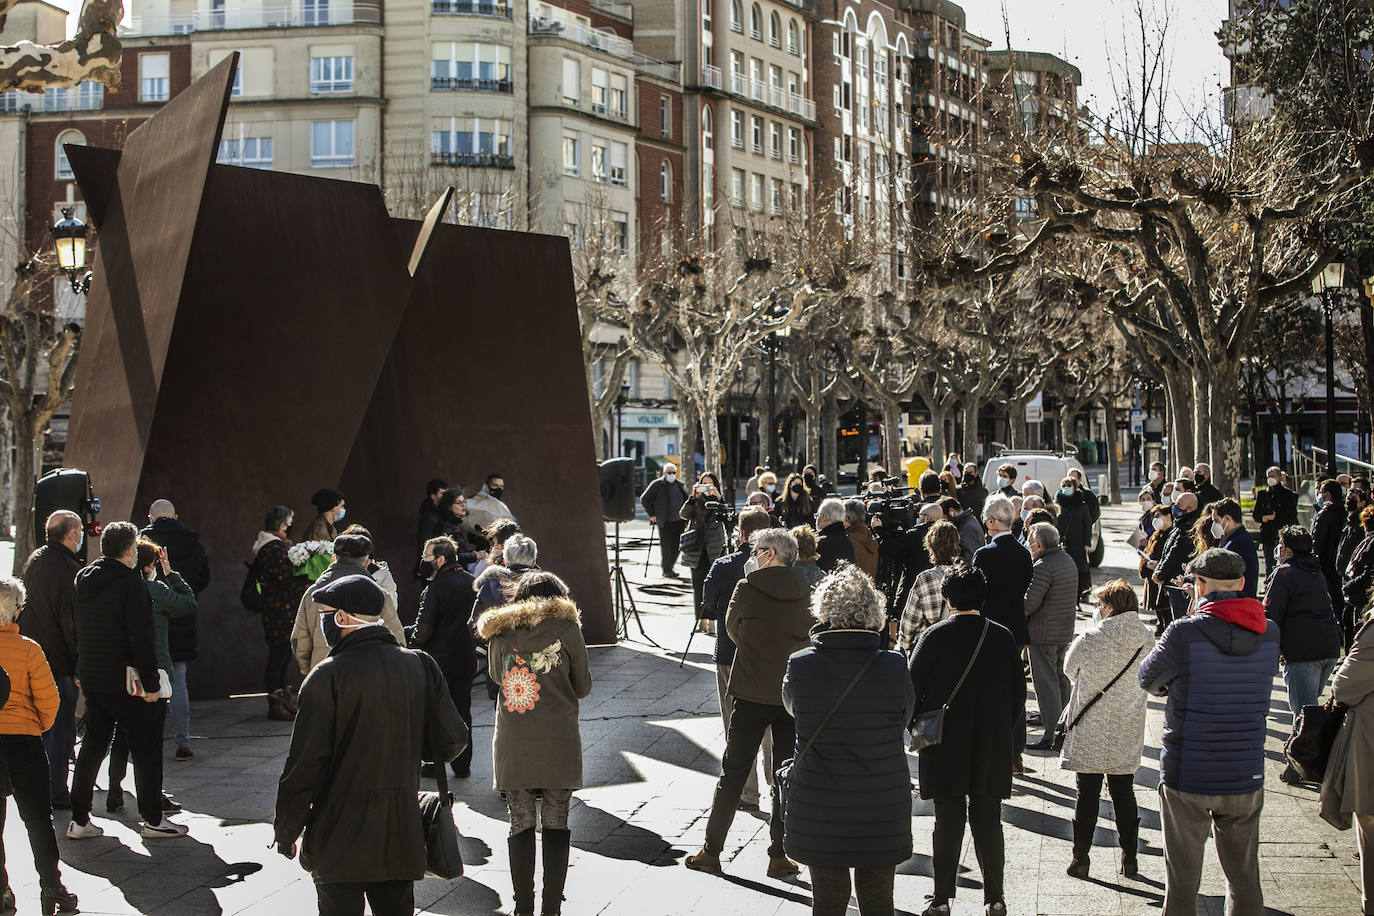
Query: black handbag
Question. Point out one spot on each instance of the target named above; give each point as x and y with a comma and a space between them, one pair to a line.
250, 595
1309, 748
443, 858
928, 729
1062, 729
783, 774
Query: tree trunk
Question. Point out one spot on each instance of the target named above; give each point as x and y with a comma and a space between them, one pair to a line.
971, 408
828, 436
1018, 430
1113, 466
1066, 436
25, 475
710, 434
892, 440
938, 417
813, 435
1181, 442
7, 507
1202, 428
687, 439
1225, 407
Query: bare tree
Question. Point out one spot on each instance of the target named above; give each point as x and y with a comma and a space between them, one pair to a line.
92, 54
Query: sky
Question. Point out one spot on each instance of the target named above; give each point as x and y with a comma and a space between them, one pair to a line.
1092, 34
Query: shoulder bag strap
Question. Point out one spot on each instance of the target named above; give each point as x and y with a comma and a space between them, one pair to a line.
1089, 705
834, 708
976, 649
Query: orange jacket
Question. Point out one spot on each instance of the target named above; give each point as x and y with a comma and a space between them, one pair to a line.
33, 702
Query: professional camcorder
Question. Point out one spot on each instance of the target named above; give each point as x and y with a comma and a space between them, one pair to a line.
717, 511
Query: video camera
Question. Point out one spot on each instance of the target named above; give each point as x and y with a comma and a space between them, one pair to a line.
894, 506
717, 511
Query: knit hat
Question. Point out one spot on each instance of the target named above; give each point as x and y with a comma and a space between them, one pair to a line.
1216, 563
326, 499
355, 594
352, 545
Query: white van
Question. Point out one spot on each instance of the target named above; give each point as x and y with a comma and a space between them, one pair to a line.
1049, 468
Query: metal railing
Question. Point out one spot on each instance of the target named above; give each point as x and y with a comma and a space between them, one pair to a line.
474, 160
470, 84
85, 97
584, 35
648, 66
710, 77
469, 8
266, 17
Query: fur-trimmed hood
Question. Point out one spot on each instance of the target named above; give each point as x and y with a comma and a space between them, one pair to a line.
527, 614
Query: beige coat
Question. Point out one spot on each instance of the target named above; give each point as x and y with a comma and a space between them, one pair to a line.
306, 638
1349, 784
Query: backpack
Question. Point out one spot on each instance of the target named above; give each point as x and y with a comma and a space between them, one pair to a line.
250, 595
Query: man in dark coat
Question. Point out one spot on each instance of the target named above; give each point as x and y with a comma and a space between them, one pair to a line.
971, 766
442, 630
48, 619
902, 555
1276, 507
114, 628
972, 492
1178, 550
1327, 526
1216, 667
832, 544
1231, 535
662, 501
1156, 483
1355, 501
428, 516
186, 556
1207, 493
1007, 568
369, 713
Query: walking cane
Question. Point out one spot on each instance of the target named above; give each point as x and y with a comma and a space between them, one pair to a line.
649, 553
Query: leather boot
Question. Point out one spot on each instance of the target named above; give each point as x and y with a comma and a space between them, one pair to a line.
1129, 834
557, 845
1082, 845
277, 708
521, 850
293, 705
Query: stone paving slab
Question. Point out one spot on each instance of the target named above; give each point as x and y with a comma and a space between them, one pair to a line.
652, 740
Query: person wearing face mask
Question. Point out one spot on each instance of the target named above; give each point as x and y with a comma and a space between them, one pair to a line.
1143, 528
451, 522
1276, 507
768, 618
1178, 550
1296, 599
281, 591
817, 483
1359, 574
352, 556
329, 503
1006, 480
1207, 492
1355, 503
1156, 600
662, 501
1006, 565
752, 484
1216, 668
972, 494
1327, 526
1166, 494
49, 579
1107, 738
1075, 528
1090, 500
486, 506
796, 507
768, 483
369, 712
710, 540
441, 629
1229, 533
1051, 604
1157, 481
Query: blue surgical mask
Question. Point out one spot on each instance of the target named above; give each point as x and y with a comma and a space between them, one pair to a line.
1176, 512
340, 516
1066, 491
330, 629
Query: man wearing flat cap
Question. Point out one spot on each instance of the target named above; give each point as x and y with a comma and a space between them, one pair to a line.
1216, 666
369, 714
352, 553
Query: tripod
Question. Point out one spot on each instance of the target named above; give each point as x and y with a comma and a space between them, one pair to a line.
624, 599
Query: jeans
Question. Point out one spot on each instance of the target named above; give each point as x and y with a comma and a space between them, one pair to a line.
748, 722
670, 536
180, 707
985, 821
59, 742
830, 891
1122, 790
1233, 820
29, 779
388, 898
750, 793
1306, 681
142, 724
1051, 686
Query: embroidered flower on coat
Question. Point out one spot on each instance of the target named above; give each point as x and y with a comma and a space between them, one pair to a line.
520, 689
547, 658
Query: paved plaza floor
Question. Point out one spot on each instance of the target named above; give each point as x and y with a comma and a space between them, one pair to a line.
652, 744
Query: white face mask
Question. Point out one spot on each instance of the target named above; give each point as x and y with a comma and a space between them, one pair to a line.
1166, 500
1146, 506
1158, 524
671, 475
1273, 481
1156, 475
750, 565
1218, 530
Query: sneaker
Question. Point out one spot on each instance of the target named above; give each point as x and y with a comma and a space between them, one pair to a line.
163, 831
703, 861
170, 805
84, 831
184, 753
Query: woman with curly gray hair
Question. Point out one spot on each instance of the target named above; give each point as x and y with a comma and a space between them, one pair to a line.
848, 806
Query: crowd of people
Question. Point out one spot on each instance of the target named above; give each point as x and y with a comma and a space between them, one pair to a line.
849, 634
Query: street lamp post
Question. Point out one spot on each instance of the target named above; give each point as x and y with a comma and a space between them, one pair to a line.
620, 418
69, 240
772, 459
1325, 284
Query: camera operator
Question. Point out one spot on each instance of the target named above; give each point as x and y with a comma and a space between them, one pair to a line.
971, 534
861, 537
902, 554
707, 515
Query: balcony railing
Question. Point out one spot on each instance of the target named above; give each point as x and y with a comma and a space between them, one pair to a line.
85, 97
800, 106
584, 35
470, 84
777, 97
473, 160
739, 84
468, 8
266, 17
617, 8
710, 77
648, 66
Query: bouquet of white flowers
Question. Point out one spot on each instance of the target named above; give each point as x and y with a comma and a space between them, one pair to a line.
311, 558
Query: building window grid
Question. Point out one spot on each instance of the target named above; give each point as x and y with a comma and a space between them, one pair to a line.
775, 30
472, 141
665, 116
665, 181
736, 16
471, 67
756, 23
331, 74
154, 77
331, 144
572, 165
793, 41
756, 191
737, 129
599, 162
775, 139
737, 187
249, 152
756, 133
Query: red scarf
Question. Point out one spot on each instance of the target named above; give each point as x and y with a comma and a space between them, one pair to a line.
1243, 612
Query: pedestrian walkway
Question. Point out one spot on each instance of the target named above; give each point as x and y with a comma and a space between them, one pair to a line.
652, 740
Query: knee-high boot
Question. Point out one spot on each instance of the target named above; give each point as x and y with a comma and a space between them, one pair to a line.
1082, 845
557, 846
521, 849
1128, 832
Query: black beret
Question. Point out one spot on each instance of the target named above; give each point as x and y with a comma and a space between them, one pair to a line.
354, 594
326, 499
352, 545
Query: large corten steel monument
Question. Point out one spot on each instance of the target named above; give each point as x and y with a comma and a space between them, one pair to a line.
253, 336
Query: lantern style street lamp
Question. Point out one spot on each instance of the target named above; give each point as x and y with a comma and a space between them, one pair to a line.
69, 238
1325, 285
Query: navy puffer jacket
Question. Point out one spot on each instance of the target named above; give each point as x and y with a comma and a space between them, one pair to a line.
1297, 600
850, 801
1217, 675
